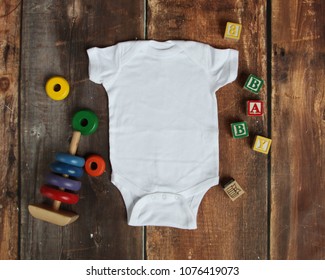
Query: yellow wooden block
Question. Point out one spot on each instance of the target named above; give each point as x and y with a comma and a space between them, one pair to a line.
233, 31
233, 190
262, 144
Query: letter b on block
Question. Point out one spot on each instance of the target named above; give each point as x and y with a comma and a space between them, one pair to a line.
239, 130
254, 84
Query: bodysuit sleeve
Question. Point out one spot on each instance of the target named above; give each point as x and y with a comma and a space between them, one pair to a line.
222, 66
104, 63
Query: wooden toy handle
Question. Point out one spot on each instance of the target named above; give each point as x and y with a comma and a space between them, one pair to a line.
72, 150
74, 142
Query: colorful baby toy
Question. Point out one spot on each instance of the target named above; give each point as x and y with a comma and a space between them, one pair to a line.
61, 185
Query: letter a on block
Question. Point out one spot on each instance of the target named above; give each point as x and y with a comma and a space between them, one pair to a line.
262, 144
254, 108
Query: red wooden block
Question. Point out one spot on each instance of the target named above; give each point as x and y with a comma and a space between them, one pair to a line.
59, 195
255, 108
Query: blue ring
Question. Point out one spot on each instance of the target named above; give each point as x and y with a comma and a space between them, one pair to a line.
63, 168
70, 159
62, 182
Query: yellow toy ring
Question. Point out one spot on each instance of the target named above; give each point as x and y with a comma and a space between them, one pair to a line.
57, 88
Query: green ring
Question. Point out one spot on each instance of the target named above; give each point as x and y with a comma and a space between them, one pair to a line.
85, 121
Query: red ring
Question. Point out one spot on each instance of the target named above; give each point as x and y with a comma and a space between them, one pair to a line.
99, 168
59, 195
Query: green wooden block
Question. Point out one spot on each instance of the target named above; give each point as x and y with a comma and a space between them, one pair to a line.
239, 130
253, 84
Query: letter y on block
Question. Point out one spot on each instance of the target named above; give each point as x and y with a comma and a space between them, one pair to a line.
262, 144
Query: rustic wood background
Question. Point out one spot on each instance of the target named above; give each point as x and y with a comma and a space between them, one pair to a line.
282, 214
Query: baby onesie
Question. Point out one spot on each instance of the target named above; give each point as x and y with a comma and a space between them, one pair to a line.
163, 124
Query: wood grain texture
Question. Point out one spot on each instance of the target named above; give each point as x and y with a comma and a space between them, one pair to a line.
298, 128
226, 229
56, 35
9, 95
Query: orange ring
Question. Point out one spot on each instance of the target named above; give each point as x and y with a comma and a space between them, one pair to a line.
95, 165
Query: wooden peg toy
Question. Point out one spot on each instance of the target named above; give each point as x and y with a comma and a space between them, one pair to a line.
233, 190
57, 88
239, 130
253, 84
262, 144
255, 108
95, 165
232, 31
85, 122
58, 185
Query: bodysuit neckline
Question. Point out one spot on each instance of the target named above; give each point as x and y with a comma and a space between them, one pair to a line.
162, 48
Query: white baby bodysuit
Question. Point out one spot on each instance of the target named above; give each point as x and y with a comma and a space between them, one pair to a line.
163, 124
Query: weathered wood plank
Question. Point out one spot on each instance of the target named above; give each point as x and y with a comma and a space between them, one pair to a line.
226, 229
9, 94
298, 128
56, 36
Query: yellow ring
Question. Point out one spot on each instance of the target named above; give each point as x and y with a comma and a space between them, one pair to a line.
57, 88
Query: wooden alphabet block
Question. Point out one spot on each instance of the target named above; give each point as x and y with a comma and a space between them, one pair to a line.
255, 108
233, 190
253, 84
232, 31
239, 130
262, 144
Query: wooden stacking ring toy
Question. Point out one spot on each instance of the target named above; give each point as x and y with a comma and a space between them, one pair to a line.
63, 168
65, 183
66, 197
57, 88
85, 121
58, 186
70, 159
95, 165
